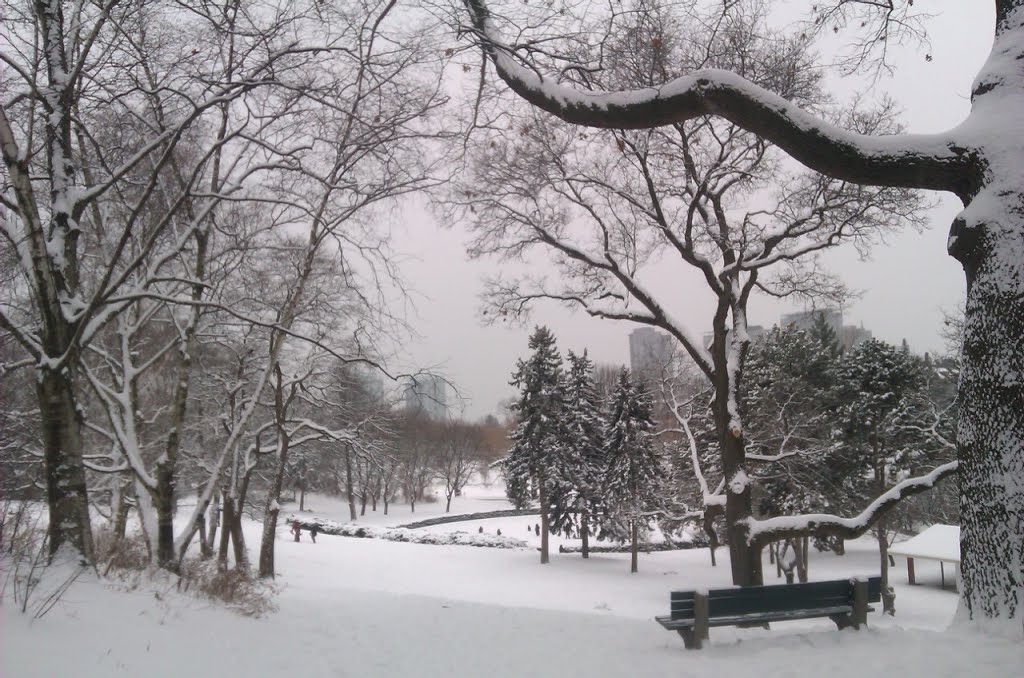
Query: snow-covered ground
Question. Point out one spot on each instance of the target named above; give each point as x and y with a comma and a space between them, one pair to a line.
364, 607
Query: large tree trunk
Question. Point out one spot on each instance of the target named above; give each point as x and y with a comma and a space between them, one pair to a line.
273, 508
66, 494
988, 239
270, 514
744, 557
164, 505
990, 438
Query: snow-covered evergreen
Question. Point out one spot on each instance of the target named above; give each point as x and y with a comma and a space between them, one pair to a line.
633, 480
581, 464
538, 438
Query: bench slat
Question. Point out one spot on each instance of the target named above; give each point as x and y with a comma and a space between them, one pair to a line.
790, 615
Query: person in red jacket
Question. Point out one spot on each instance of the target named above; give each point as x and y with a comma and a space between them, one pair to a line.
296, 529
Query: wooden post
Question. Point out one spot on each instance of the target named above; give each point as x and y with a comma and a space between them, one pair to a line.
860, 603
700, 619
910, 571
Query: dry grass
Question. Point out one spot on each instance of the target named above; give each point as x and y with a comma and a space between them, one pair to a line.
236, 590
126, 554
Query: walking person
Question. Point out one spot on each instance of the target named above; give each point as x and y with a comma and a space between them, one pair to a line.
312, 532
297, 529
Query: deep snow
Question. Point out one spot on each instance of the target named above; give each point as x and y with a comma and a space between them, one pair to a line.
365, 607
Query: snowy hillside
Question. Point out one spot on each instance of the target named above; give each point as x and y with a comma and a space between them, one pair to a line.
367, 607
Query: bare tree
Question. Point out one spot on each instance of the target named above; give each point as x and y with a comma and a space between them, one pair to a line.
978, 161
109, 136
459, 454
606, 204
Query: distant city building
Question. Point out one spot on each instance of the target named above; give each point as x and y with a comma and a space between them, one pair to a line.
650, 352
848, 335
754, 332
427, 394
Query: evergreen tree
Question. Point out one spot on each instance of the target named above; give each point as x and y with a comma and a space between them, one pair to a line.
635, 473
822, 332
877, 383
538, 438
582, 459
789, 411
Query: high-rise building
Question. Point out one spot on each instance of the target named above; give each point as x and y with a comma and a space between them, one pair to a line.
650, 353
847, 335
427, 394
754, 332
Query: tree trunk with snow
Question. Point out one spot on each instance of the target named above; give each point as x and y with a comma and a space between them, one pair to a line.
120, 506
163, 500
66, 495
227, 516
272, 508
888, 594
267, 539
350, 489
744, 558
214, 508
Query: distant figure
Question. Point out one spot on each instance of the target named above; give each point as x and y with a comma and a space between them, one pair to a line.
481, 530
499, 531
536, 531
312, 532
296, 529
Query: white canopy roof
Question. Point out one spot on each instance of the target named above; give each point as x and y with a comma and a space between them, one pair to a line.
938, 542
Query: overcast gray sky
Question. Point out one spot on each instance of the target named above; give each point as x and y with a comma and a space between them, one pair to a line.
905, 284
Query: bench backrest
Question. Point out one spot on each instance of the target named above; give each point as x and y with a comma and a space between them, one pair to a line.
773, 598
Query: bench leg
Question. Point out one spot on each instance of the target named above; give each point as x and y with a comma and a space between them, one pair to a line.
844, 621
692, 640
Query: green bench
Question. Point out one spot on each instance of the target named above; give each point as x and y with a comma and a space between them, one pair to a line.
844, 601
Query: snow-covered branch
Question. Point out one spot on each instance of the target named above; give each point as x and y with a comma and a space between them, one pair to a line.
823, 524
913, 161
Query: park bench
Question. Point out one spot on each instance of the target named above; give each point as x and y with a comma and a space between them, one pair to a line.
844, 601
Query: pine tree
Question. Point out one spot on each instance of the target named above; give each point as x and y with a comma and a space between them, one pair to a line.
635, 472
877, 381
582, 458
789, 411
823, 332
538, 438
